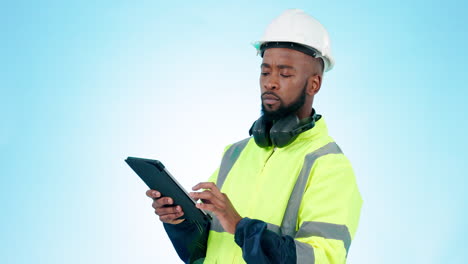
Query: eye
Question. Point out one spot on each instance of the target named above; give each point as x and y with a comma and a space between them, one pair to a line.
265, 73
286, 75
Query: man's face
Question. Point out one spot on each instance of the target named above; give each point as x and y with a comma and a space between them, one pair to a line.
283, 81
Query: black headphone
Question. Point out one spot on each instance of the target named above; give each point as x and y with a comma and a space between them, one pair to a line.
281, 132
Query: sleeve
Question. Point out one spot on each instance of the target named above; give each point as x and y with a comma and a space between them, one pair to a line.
189, 238
329, 212
260, 245
214, 176
327, 221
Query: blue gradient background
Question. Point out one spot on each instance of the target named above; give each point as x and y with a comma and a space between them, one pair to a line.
84, 84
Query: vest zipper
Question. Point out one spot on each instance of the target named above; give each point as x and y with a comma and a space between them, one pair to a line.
266, 161
254, 196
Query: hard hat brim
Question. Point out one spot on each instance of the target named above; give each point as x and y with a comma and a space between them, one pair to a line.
329, 63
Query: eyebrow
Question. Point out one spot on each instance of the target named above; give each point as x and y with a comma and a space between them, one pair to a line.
281, 66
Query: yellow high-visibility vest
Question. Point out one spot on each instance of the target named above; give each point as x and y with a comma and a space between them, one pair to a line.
306, 190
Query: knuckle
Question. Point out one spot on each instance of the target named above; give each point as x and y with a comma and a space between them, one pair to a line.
169, 217
162, 211
161, 201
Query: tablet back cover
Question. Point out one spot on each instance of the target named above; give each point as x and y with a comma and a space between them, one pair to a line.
152, 172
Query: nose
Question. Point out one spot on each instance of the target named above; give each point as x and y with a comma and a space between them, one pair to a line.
271, 83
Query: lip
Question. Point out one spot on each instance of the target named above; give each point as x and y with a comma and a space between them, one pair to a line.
270, 101
270, 97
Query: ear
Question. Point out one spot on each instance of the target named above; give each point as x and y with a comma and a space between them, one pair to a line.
314, 83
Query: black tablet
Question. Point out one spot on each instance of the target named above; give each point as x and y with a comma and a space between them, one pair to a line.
157, 177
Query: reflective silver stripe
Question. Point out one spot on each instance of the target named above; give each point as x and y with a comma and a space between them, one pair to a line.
304, 253
272, 227
216, 226
230, 157
325, 230
288, 225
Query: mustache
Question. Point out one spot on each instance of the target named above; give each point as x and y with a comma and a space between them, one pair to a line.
270, 93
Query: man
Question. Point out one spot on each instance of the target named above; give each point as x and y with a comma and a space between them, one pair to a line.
287, 194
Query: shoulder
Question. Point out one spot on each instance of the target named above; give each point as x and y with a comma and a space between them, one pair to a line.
237, 146
331, 165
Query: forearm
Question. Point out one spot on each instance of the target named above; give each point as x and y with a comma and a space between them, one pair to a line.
188, 239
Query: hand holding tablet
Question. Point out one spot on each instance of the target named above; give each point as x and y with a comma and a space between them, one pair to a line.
171, 202
168, 213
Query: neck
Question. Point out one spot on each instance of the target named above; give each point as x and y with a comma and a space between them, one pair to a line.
304, 112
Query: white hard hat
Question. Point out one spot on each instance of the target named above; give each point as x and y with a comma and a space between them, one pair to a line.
294, 26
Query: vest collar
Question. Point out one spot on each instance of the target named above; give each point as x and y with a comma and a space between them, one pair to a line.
319, 130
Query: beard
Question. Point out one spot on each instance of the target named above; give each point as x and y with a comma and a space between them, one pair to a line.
283, 110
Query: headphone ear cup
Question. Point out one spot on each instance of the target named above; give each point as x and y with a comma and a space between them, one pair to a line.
282, 132
261, 132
